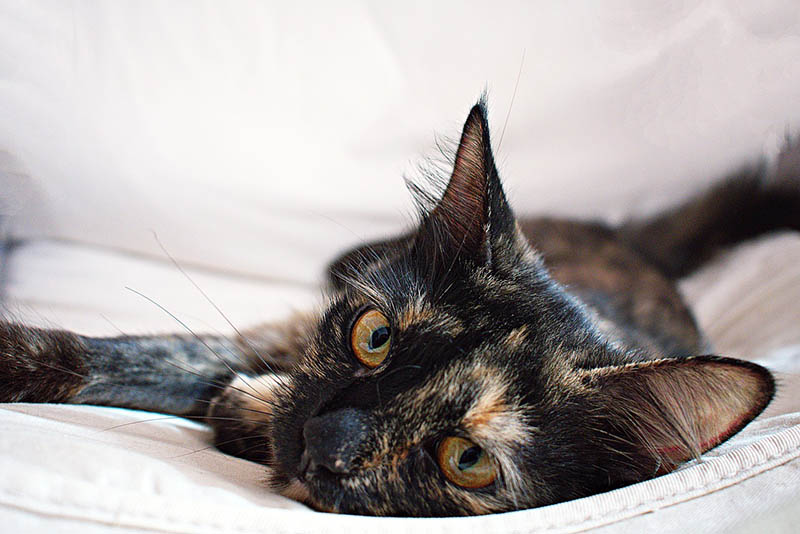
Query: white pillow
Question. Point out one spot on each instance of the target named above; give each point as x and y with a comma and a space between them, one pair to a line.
84, 469
263, 138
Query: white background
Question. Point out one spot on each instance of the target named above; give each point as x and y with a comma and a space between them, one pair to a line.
259, 139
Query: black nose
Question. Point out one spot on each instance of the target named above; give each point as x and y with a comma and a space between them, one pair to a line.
333, 439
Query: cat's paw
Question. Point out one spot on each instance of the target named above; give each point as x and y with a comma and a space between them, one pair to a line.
39, 365
241, 416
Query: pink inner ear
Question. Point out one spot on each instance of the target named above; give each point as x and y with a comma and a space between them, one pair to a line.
713, 441
463, 207
678, 409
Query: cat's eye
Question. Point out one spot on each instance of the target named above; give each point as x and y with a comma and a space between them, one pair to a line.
371, 338
465, 463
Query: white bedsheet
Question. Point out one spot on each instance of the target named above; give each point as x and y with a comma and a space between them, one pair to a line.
86, 469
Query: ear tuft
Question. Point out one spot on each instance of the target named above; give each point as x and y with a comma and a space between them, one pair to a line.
463, 209
674, 410
472, 215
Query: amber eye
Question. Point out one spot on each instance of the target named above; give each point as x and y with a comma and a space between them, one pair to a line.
465, 464
371, 338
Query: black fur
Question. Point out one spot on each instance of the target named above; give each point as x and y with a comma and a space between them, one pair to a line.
753, 201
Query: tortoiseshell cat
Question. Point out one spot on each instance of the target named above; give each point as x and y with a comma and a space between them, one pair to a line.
476, 364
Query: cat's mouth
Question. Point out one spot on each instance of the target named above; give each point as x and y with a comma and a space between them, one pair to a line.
318, 487
294, 486
288, 442
310, 490
297, 491
292, 471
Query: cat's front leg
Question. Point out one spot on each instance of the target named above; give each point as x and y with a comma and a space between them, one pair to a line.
40, 365
241, 415
276, 347
175, 374
168, 373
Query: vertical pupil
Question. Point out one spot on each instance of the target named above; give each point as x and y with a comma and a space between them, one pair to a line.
469, 458
379, 337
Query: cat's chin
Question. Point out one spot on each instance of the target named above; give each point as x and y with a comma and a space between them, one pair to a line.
300, 492
297, 491
303, 491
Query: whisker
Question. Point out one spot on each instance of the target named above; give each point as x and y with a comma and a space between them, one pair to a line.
213, 304
393, 371
390, 373
513, 96
223, 385
115, 327
139, 421
216, 445
203, 449
200, 417
62, 370
201, 340
242, 408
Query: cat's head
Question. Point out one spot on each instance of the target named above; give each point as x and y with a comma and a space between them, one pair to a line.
450, 375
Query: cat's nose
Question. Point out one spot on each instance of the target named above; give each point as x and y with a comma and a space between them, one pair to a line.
333, 439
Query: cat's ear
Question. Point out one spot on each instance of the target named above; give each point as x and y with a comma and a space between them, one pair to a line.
360, 259
671, 411
473, 211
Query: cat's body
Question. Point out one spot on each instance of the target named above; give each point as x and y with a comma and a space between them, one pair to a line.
475, 364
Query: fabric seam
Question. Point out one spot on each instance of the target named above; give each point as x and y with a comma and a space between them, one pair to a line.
788, 454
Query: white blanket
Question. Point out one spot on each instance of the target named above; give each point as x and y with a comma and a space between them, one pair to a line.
86, 469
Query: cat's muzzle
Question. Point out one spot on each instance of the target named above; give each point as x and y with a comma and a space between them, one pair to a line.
332, 442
